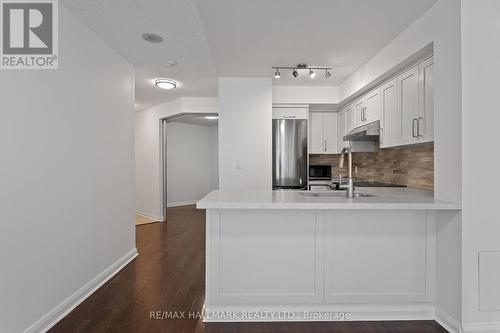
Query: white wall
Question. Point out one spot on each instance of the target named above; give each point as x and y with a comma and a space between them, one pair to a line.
148, 170
191, 152
66, 175
214, 157
440, 25
245, 127
306, 94
480, 108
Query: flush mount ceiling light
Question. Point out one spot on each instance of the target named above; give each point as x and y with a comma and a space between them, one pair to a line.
152, 38
166, 84
295, 71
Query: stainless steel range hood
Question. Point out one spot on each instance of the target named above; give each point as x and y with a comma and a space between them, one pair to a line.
368, 132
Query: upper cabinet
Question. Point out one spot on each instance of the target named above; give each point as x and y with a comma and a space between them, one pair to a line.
367, 109
425, 129
407, 104
322, 132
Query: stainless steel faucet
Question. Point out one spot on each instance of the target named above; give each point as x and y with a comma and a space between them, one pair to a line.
350, 184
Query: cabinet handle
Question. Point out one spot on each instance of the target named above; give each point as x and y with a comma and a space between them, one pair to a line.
413, 127
288, 117
325, 145
418, 126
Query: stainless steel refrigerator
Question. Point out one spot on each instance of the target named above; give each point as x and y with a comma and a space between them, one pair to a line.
289, 153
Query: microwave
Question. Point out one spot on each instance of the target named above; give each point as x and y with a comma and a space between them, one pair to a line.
320, 172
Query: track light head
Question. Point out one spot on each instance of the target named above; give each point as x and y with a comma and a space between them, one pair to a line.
295, 73
312, 74
277, 75
327, 74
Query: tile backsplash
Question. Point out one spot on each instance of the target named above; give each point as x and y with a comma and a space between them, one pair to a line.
412, 166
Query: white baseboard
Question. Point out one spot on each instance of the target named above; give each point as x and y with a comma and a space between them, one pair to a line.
183, 203
481, 327
148, 216
357, 312
61, 310
447, 321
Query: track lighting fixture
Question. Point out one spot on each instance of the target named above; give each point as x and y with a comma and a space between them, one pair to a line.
277, 75
300, 68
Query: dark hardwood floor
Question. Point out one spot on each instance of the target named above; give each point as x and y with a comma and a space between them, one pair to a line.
168, 275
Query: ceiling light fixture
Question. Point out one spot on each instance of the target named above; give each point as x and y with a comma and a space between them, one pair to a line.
212, 117
295, 70
166, 84
277, 75
152, 38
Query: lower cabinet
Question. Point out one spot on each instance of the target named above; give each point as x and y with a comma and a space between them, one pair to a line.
379, 257
319, 257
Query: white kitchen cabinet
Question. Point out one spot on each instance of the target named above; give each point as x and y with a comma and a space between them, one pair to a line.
344, 126
367, 109
407, 104
425, 128
322, 132
290, 112
358, 109
390, 125
372, 106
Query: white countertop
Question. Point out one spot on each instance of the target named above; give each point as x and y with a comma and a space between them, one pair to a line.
384, 198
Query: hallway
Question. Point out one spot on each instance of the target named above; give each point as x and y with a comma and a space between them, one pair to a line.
168, 275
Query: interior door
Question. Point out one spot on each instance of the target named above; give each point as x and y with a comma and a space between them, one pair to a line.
164, 166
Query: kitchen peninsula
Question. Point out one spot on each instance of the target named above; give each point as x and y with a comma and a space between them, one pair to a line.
372, 257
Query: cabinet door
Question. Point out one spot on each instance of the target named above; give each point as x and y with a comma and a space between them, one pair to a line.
358, 113
372, 106
330, 132
390, 125
408, 104
316, 136
426, 104
341, 126
349, 119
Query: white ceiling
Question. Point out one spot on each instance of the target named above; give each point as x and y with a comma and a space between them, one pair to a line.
211, 38
195, 119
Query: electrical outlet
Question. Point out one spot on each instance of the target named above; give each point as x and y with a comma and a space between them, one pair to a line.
355, 169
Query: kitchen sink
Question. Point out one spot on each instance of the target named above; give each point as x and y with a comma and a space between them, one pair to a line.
334, 194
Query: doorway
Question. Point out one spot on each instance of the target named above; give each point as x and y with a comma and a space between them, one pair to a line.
190, 159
